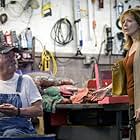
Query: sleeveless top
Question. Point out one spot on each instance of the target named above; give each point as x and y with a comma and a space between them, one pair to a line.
128, 66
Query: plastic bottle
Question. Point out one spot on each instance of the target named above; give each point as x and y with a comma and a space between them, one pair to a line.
23, 40
29, 38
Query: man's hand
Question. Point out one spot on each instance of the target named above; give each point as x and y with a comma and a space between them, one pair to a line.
8, 109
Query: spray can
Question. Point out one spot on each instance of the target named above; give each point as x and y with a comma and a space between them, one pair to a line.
28, 35
14, 39
2, 39
8, 38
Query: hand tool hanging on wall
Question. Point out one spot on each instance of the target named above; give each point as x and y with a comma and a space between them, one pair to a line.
94, 22
101, 3
120, 9
90, 18
78, 26
3, 16
2, 3
115, 7
46, 9
120, 37
109, 42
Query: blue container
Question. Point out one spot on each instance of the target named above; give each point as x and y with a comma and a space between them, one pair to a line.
42, 137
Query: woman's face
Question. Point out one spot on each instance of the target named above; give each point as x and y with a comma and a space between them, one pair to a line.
129, 26
7, 63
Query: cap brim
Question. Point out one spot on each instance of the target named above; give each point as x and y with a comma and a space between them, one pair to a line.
4, 50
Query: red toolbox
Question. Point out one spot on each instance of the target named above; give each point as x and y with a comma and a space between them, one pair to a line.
114, 100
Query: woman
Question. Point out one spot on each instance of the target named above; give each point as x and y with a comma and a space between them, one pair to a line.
130, 21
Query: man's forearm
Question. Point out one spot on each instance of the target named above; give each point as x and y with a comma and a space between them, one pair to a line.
35, 110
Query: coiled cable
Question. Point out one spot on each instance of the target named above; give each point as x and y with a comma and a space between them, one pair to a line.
57, 33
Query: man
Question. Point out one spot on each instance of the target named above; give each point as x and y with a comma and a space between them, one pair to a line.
20, 99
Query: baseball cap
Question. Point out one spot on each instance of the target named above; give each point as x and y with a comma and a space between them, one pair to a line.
6, 48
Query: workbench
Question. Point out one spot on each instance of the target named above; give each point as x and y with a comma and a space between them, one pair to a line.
92, 120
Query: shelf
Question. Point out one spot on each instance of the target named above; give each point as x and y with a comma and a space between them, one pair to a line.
26, 61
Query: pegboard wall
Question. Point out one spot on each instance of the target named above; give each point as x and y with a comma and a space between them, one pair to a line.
105, 14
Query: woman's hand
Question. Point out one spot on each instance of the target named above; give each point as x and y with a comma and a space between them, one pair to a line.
100, 94
8, 109
102, 90
105, 89
137, 114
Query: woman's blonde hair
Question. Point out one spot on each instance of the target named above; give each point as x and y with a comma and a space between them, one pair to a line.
135, 13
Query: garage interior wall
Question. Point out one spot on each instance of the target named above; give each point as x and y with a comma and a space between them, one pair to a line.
94, 40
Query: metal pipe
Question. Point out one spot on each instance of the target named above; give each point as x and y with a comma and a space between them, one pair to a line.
78, 27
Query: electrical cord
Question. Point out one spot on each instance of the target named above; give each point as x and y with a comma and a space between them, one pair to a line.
58, 35
46, 57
